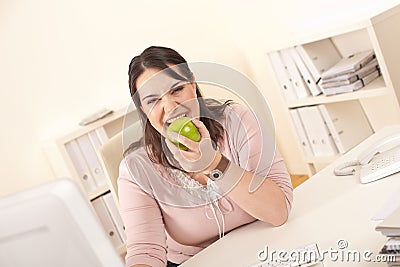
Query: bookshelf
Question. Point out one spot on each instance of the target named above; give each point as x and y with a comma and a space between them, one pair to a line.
379, 99
69, 156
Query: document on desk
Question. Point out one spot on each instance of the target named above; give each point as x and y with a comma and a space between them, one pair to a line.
389, 207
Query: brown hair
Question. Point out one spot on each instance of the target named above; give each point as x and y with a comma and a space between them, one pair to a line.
162, 58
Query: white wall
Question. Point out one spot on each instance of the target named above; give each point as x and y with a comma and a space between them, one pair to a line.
61, 60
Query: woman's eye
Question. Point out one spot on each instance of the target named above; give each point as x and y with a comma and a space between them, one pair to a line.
152, 101
177, 89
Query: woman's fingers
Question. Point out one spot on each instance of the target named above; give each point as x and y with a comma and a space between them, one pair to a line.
202, 128
173, 148
192, 145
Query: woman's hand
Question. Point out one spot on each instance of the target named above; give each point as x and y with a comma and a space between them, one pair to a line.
199, 156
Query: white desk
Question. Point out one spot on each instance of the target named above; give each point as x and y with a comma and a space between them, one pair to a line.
326, 208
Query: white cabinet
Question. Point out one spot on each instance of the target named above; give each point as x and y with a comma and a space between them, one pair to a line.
379, 100
75, 155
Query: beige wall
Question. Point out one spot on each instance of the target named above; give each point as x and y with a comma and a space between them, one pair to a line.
61, 60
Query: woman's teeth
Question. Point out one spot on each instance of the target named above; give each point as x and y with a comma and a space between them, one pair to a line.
175, 118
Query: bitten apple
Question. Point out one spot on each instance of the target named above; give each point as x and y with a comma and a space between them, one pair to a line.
183, 126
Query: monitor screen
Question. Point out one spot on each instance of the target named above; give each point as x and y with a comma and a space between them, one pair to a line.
52, 225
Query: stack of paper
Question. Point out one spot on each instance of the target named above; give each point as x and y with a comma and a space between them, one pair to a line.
350, 73
390, 227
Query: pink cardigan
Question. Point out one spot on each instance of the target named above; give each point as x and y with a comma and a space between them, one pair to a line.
161, 219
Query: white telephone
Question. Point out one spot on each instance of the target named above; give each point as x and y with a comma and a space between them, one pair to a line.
379, 161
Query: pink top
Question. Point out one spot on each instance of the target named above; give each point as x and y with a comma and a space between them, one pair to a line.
163, 221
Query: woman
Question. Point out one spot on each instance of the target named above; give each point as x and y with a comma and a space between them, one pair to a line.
174, 203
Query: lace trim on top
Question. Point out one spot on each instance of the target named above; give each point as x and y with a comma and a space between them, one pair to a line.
207, 193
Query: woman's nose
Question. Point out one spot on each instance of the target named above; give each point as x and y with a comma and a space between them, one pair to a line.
169, 104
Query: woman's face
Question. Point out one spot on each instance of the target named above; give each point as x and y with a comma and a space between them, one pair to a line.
164, 98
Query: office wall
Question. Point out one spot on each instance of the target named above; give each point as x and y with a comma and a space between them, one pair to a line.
61, 60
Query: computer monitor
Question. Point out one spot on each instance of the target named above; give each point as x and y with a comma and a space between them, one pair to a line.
52, 225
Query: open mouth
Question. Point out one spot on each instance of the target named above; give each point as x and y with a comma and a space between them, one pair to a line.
169, 121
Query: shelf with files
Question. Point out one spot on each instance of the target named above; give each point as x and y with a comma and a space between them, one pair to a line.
375, 89
376, 104
74, 154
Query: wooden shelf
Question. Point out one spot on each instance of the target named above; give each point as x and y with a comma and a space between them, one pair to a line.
374, 89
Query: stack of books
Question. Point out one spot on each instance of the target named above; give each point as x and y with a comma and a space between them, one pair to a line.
350, 73
390, 227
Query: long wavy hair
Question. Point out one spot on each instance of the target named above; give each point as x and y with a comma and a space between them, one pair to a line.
156, 57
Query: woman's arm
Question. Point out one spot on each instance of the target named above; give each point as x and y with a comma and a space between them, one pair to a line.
263, 187
270, 201
255, 157
143, 222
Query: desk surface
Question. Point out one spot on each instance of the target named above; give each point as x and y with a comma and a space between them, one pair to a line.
326, 209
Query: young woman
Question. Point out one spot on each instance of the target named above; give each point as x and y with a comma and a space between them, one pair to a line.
176, 202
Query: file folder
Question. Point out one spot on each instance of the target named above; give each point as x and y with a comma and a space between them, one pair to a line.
115, 215
81, 168
308, 79
282, 75
371, 67
301, 133
102, 135
106, 220
321, 141
91, 158
297, 81
347, 123
353, 86
349, 64
319, 56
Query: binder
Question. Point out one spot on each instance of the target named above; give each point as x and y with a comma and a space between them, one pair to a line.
352, 86
370, 77
308, 79
297, 81
344, 88
321, 141
79, 163
319, 56
347, 124
102, 135
282, 75
92, 160
338, 82
371, 67
106, 220
301, 133
115, 215
349, 64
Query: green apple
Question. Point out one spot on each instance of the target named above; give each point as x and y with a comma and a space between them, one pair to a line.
183, 126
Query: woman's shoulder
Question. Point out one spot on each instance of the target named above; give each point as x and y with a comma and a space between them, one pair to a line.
134, 158
238, 114
236, 109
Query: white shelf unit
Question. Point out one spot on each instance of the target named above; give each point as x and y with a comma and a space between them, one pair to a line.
63, 165
379, 99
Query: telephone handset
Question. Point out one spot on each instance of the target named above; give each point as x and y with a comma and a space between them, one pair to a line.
379, 161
